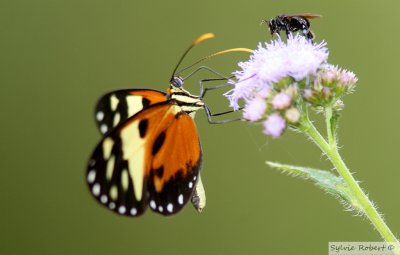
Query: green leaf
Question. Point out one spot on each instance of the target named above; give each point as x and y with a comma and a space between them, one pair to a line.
326, 180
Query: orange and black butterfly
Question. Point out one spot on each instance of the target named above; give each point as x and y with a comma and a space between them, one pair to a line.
150, 153
292, 23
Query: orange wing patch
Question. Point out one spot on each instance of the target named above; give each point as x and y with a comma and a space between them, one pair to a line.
152, 96
174, 153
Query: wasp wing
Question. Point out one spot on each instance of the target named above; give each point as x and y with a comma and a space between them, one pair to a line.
306, 15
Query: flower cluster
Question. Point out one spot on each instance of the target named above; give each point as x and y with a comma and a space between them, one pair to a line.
330, 83
280, 75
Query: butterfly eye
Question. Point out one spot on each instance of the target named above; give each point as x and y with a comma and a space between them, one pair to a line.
176, 81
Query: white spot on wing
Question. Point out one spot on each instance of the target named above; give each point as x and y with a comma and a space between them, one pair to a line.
153, 204
133, 211
190, 185
99, 116
103, 199
194, 178
96, 189
111, 205
170, 207
122, 209
91, 176
103, 128
180, 199
160, 209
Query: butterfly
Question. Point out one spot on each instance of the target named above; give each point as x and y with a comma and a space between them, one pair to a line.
150, 153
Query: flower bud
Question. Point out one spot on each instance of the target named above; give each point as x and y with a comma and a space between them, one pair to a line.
338, 105
292, 115
326, 93
309, 95
292, 90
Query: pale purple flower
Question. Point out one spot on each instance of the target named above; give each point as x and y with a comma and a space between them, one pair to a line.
329, 76
255, 109
264, 92
348, 78
304, 57
281, 101
274, 125
297, 58
331, 73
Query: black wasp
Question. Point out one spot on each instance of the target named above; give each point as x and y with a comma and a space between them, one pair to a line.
292, 23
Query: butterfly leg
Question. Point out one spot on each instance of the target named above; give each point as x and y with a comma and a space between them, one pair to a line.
221, 77
204, 90
209, 115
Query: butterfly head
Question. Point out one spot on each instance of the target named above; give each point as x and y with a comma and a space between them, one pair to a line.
176, 81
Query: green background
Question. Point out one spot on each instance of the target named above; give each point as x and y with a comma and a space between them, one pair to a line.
58, 57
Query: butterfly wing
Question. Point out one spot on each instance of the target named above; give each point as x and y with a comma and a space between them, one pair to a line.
117, 106
175, 166
151, 159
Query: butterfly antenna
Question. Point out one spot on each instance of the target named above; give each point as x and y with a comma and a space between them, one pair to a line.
202, 38
216, 54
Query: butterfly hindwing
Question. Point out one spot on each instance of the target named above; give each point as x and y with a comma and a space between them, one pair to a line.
175, 166
115, 107
153, 158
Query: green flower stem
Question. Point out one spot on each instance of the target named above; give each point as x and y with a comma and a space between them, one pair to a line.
331, 150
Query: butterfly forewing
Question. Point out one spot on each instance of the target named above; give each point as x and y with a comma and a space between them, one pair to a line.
115, 107
141, 162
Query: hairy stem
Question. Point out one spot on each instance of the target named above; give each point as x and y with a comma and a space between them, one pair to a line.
330, 149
